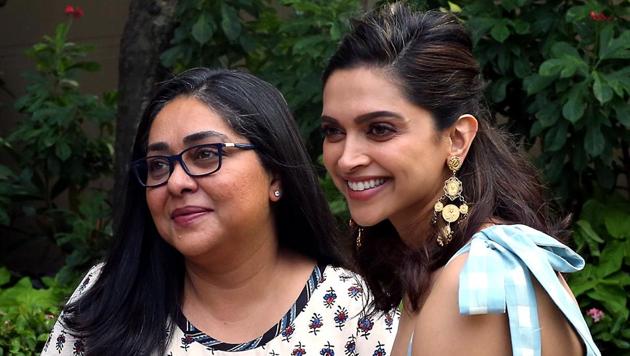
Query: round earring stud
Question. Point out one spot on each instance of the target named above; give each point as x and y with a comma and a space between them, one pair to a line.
276, 194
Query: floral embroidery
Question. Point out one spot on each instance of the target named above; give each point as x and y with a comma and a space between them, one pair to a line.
287, 332
341, 316
298, 350
389, 321
186, 341
330, 297
365, 325
79, 348
327, 350
61, 340
380, 351
316, 323
355, 291
351, 346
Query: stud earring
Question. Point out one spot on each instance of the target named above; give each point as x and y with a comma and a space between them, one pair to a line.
359, 229
446, 207
276, 193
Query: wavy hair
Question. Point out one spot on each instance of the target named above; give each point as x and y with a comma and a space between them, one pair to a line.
429, 56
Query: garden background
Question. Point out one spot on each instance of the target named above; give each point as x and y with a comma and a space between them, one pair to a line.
558, 77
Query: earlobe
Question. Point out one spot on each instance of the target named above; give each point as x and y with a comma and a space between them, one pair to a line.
462, 134
275, 190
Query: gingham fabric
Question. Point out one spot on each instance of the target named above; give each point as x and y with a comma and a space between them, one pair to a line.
497, 277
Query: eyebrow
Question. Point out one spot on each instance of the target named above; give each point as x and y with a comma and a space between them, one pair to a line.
366, 117
188, 140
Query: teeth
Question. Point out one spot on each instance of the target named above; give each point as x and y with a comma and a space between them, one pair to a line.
368, 184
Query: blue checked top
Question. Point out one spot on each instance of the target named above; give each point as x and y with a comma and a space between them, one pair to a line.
497, 275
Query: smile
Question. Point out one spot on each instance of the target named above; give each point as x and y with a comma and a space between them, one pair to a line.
365, 185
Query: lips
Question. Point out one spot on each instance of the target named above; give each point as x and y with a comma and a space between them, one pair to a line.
364, 188
188, 214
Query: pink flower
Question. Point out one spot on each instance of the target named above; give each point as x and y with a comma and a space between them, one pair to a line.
69, 10
596, 314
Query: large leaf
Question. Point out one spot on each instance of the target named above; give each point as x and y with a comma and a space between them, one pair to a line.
603, 92
230, 22
594, 141
202, 30
617, 223
574, 107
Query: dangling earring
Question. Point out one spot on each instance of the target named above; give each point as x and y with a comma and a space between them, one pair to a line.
353, 226
449, 211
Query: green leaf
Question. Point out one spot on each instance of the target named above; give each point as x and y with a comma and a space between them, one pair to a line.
610, 259
497, 89
500, 31
594, 141
520, 27
454, 7
612, 297
574, 107
617, 223
614, 48
201, 30
551, 67
536, 83
556, 137
521, 67
622, 111
63, 151
603, 92
5, 276
230, 22
562, 49
577, 13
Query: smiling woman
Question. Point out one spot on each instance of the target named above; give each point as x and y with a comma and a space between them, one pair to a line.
448, 218
227, 243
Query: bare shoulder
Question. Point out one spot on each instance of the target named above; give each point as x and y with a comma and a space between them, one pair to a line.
441, 329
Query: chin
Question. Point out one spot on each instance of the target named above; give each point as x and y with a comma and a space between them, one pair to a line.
366, 219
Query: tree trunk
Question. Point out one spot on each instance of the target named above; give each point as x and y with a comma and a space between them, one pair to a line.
147, 33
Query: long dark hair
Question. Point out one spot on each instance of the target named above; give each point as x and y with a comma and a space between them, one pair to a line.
429, 56
133, 303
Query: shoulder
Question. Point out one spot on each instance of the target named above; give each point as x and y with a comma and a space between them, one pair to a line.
440, 320
61, 341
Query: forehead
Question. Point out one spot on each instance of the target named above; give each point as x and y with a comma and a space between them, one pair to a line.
361, 89
186, 116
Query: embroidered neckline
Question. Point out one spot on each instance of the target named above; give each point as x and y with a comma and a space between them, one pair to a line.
284, 326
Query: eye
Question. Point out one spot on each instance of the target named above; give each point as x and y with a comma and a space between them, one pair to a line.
203, 153
157, 166
381, 131
332, 133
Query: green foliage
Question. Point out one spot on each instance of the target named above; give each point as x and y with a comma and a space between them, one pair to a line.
213, 33
294, 53
603, 235
558, 71
27, 314
63, 141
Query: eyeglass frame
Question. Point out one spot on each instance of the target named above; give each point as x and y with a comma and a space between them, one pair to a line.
178, 158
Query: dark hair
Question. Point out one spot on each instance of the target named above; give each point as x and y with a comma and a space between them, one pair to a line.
138, 294
429, 56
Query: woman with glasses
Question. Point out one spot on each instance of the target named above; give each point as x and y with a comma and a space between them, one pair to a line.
448, 217
226, 245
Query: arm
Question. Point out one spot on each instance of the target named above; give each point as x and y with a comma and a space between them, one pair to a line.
441, 330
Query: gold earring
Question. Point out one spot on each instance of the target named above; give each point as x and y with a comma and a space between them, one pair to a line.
353, 226
445, 207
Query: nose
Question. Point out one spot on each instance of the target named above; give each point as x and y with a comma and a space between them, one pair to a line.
354, 155
180, 182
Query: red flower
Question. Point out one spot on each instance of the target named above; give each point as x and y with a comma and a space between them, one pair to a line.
78, 12
598, 16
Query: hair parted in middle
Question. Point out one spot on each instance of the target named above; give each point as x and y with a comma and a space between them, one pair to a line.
138, 294
428, 55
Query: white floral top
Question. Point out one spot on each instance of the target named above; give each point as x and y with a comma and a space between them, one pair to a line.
327, 319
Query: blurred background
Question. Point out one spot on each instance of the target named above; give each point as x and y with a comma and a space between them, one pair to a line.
75, 78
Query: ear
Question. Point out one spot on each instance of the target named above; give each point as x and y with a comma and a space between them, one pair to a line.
462, 133
275, 188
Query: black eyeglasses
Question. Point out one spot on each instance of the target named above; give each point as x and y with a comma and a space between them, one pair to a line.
197, 161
